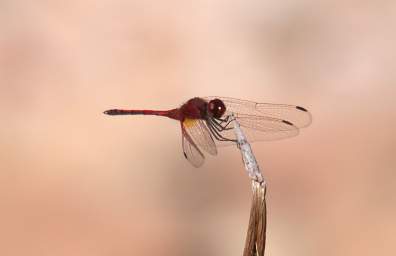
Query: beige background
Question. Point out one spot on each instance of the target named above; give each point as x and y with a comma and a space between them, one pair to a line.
76, 182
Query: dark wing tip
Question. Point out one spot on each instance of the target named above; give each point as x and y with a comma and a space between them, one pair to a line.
185, 155
287, 122
301, 108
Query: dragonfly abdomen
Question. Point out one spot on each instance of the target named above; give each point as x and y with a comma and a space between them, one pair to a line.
173, 113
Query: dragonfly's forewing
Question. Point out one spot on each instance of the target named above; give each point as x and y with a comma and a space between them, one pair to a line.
264, 121
296, 115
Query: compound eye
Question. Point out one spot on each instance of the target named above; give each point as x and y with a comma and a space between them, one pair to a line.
216, 108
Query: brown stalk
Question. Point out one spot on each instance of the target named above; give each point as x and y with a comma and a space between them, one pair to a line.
256, 234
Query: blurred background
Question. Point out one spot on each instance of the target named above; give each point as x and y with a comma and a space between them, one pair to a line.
76, 182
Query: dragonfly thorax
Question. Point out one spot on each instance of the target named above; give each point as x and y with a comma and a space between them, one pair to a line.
195, 108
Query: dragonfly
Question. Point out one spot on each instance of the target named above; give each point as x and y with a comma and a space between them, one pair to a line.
207, 122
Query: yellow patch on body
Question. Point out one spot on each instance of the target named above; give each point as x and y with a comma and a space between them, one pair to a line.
188, 122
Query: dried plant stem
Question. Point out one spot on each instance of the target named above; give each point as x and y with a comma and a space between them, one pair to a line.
256, 234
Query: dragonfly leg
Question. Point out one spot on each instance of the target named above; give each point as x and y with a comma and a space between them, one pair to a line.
228, 123
215, 129
226, 120
222, 120
216, 124
214, 133
218, 136
220, 125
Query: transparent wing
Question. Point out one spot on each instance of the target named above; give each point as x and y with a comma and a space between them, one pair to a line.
262, 121
296, 115
200, 135
258, 128
190, 150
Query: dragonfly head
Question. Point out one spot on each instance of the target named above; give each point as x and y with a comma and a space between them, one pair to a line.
216, 108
